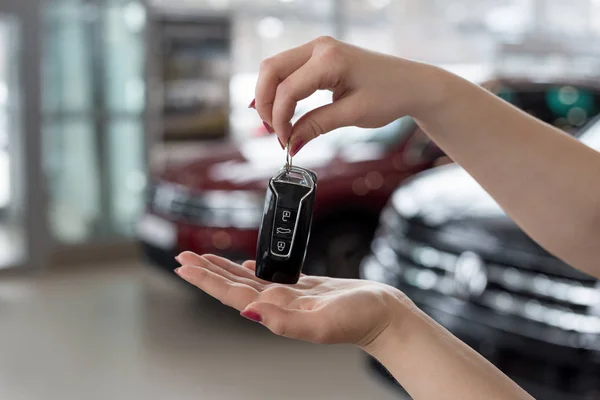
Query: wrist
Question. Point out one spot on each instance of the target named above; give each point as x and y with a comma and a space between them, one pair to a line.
402, 319
431, 89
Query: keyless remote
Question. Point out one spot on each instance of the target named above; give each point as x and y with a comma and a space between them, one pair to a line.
285, 230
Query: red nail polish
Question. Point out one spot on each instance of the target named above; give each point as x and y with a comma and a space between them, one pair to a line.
281, 143
268, 128
298, 144
252, 316
253, 104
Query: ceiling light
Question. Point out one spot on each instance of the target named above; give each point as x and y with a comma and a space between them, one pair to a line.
270, 27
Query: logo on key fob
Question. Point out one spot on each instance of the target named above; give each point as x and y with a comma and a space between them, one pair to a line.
286, 223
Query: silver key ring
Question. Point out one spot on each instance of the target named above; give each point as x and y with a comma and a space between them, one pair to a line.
288, 159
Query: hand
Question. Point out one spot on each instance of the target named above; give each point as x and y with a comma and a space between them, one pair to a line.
369, 89
374, 316
316, 309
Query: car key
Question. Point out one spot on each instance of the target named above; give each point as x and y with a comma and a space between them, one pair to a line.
285, 229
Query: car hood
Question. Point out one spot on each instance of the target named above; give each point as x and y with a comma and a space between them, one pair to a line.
250, 164
461, 211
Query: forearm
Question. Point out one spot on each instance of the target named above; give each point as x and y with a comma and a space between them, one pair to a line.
544, 179
430, 363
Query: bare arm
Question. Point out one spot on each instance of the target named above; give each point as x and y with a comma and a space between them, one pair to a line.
544, 179
431, 363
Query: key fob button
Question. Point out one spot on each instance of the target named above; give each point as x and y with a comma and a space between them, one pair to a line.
283, 231
285, 217
280, 247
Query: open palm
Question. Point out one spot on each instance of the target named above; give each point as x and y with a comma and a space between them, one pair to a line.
316, 309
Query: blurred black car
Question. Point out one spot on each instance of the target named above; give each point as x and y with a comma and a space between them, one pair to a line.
446, 243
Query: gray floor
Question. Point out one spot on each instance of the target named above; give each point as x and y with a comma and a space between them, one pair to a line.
127, 332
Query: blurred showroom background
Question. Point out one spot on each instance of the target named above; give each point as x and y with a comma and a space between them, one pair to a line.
125, 137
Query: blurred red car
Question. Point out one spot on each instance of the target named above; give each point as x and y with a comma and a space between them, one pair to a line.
214, 203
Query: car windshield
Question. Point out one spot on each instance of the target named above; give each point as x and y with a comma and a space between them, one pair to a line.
591, 135
387, 136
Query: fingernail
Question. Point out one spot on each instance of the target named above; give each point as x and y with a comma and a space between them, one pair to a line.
253, 104
177, 270
177, 259
268, 128
281, 143
252, 316
296, 146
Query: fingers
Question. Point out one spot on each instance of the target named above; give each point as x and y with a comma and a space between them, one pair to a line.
221, 266
312, 76
230, 266
320, 121
294, 324
232, 294
273, 71
250, 265
190, 258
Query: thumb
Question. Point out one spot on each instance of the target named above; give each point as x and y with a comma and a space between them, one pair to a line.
320, 121
294, 324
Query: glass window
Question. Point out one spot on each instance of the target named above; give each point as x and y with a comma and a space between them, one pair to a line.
124, 56
73, 179
67, 68
12, 238
93, 97
127, 174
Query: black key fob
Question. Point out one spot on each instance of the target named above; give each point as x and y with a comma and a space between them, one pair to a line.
285, 229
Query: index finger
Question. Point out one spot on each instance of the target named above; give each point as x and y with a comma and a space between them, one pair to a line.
272, 72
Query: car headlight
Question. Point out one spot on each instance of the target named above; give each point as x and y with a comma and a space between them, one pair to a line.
405, 203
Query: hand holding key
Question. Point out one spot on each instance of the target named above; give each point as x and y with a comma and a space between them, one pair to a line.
369, 89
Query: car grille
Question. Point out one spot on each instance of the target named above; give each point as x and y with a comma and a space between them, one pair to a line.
534, 294
173, 201
219, 209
